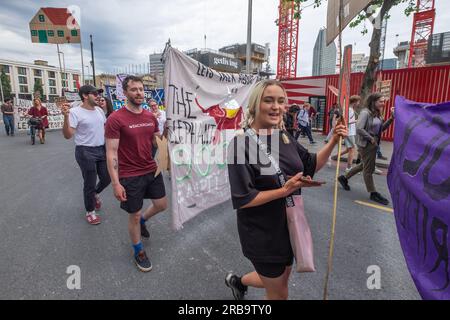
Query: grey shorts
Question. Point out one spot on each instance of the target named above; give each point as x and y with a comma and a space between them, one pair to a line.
350, 142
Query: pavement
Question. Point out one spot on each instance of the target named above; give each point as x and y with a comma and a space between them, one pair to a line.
43, 231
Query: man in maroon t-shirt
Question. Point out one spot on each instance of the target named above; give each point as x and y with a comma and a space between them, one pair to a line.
130, 136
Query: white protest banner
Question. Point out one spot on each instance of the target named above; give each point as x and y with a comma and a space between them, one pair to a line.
204, 109
72, 96
21, 107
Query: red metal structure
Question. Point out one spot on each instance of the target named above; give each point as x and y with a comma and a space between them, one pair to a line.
287, 40
422, 30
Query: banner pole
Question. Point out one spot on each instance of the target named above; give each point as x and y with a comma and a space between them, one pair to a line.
333, 224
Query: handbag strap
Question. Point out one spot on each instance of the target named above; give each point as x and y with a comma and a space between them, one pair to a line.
280, 175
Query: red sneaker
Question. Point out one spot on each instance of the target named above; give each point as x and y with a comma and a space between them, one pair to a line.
92, 218
98, 202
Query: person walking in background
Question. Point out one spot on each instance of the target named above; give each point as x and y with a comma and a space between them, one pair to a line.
160, 115
40, 112
350, 141
289, 119
303, 122
106, 105
312, 116
369, 127
8, 116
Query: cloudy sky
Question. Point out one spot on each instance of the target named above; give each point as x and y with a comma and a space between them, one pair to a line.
125, 32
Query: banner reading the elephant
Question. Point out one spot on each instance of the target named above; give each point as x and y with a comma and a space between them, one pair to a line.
204, 108
419, 183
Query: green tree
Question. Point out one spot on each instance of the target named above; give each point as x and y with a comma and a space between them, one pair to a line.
6, 85
375, 43
38, 91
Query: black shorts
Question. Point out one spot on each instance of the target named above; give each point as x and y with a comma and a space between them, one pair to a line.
271, 270
140, 188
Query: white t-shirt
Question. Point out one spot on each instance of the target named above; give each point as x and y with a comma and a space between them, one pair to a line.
89, 126
351, 117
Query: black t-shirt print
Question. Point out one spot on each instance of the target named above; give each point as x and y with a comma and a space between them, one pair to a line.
263, 230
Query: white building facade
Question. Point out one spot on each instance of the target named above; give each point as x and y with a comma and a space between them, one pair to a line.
23, 76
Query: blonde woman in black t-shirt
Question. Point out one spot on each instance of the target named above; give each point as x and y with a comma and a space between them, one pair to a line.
257, 194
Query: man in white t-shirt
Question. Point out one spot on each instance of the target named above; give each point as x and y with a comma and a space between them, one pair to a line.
86, 123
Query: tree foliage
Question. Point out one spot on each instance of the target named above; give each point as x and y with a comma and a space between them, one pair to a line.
6, 85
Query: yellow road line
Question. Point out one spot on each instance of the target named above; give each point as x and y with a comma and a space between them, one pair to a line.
387, 209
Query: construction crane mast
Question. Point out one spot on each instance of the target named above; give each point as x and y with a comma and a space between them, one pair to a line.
287, 40
422, 30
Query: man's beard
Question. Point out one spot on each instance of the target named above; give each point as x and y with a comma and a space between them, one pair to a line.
92, 102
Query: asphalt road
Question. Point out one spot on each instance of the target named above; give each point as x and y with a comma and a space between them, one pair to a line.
43, 232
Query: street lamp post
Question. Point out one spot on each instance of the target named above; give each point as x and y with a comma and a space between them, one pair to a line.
64, 70
92, 61
87, 75
249, 36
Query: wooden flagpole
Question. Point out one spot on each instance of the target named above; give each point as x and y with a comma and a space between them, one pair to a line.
333, 224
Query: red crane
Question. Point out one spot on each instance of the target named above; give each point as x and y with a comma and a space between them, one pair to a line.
422, 30
287, 40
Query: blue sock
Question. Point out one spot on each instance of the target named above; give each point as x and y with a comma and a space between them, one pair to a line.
143, 220
137, 248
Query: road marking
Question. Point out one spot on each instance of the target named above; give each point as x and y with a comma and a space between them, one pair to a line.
367, 204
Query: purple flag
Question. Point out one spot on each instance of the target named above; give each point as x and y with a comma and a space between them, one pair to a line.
419, 183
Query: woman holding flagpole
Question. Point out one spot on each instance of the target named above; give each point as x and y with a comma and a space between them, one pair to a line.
258, 195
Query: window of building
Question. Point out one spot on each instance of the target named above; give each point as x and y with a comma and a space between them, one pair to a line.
74, 33
52, 82
64, 76
74, 84
23, 80
51, 74
61, 33
65, 83
51, 33
52, 90
23, 89
22, 71
34, 33
38, 80
41, 18
4, 68
37, 73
